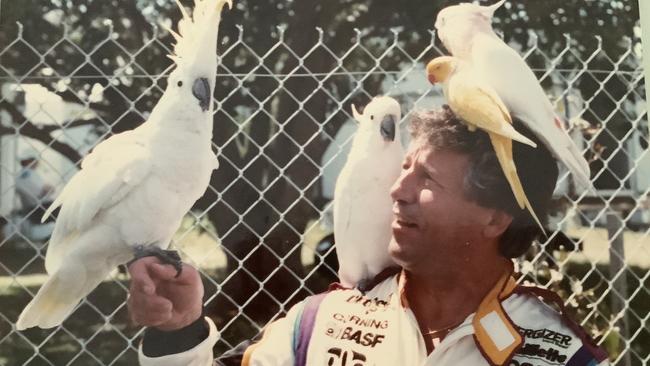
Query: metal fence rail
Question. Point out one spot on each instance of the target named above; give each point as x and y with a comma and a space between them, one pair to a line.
259, 234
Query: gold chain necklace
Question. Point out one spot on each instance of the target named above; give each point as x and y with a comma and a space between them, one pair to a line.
442, 331
437, 331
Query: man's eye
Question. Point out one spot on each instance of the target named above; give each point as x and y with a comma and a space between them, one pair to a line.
429, 177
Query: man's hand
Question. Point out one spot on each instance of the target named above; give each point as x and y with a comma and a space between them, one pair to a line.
157, 298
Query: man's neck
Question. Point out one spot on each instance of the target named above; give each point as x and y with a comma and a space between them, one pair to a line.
445, 298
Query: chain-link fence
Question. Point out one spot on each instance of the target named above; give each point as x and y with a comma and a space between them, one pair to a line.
261, 236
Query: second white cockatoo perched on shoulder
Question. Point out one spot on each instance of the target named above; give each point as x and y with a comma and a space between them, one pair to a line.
466, 31
134, 188
362, 202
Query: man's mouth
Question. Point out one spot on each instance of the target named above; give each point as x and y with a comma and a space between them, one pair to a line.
404, 222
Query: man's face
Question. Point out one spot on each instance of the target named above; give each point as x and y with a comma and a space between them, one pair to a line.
434, 225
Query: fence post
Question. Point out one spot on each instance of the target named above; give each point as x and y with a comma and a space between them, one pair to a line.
615, 229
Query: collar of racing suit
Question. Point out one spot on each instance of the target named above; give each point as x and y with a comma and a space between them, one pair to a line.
495, 334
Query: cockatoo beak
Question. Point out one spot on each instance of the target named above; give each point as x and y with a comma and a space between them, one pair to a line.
387, 128
201, 90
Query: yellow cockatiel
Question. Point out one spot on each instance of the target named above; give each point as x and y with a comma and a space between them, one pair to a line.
479, 105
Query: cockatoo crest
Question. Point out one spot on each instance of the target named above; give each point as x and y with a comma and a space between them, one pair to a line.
379, 121
380, 105
196, 35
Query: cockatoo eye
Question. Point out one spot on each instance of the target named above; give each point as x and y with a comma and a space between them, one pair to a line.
372, 117
179, 83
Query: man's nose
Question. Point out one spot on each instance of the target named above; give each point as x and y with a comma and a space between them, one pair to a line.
402, 189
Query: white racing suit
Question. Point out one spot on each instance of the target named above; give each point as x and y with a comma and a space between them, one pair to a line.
345, 327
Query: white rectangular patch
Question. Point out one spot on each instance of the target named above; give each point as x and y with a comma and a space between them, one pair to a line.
497, 331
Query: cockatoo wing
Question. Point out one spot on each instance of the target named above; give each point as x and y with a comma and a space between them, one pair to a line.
481, 106
342, 210
515, 83
107, 175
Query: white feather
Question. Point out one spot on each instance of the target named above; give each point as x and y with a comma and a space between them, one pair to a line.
107, 175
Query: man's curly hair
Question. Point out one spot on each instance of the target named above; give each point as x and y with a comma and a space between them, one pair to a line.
485, 182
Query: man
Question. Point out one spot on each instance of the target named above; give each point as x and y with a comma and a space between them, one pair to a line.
453, 302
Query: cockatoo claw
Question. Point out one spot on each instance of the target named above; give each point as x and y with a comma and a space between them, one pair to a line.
170, 257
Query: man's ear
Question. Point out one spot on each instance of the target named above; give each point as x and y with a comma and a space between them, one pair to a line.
499, 222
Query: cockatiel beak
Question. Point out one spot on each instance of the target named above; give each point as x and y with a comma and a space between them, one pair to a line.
387, 128
440, 69
430, 75
202, 91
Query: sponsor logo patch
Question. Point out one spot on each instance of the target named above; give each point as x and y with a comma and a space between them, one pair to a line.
360, 321
339, 357
370, 305
547, 336
537, 351
360, 337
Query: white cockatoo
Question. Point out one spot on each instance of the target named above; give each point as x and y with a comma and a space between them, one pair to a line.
466, 31
362, 202
473, 100
134, 188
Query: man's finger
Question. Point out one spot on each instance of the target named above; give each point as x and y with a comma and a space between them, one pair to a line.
147, 310
150, 303
140, 277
